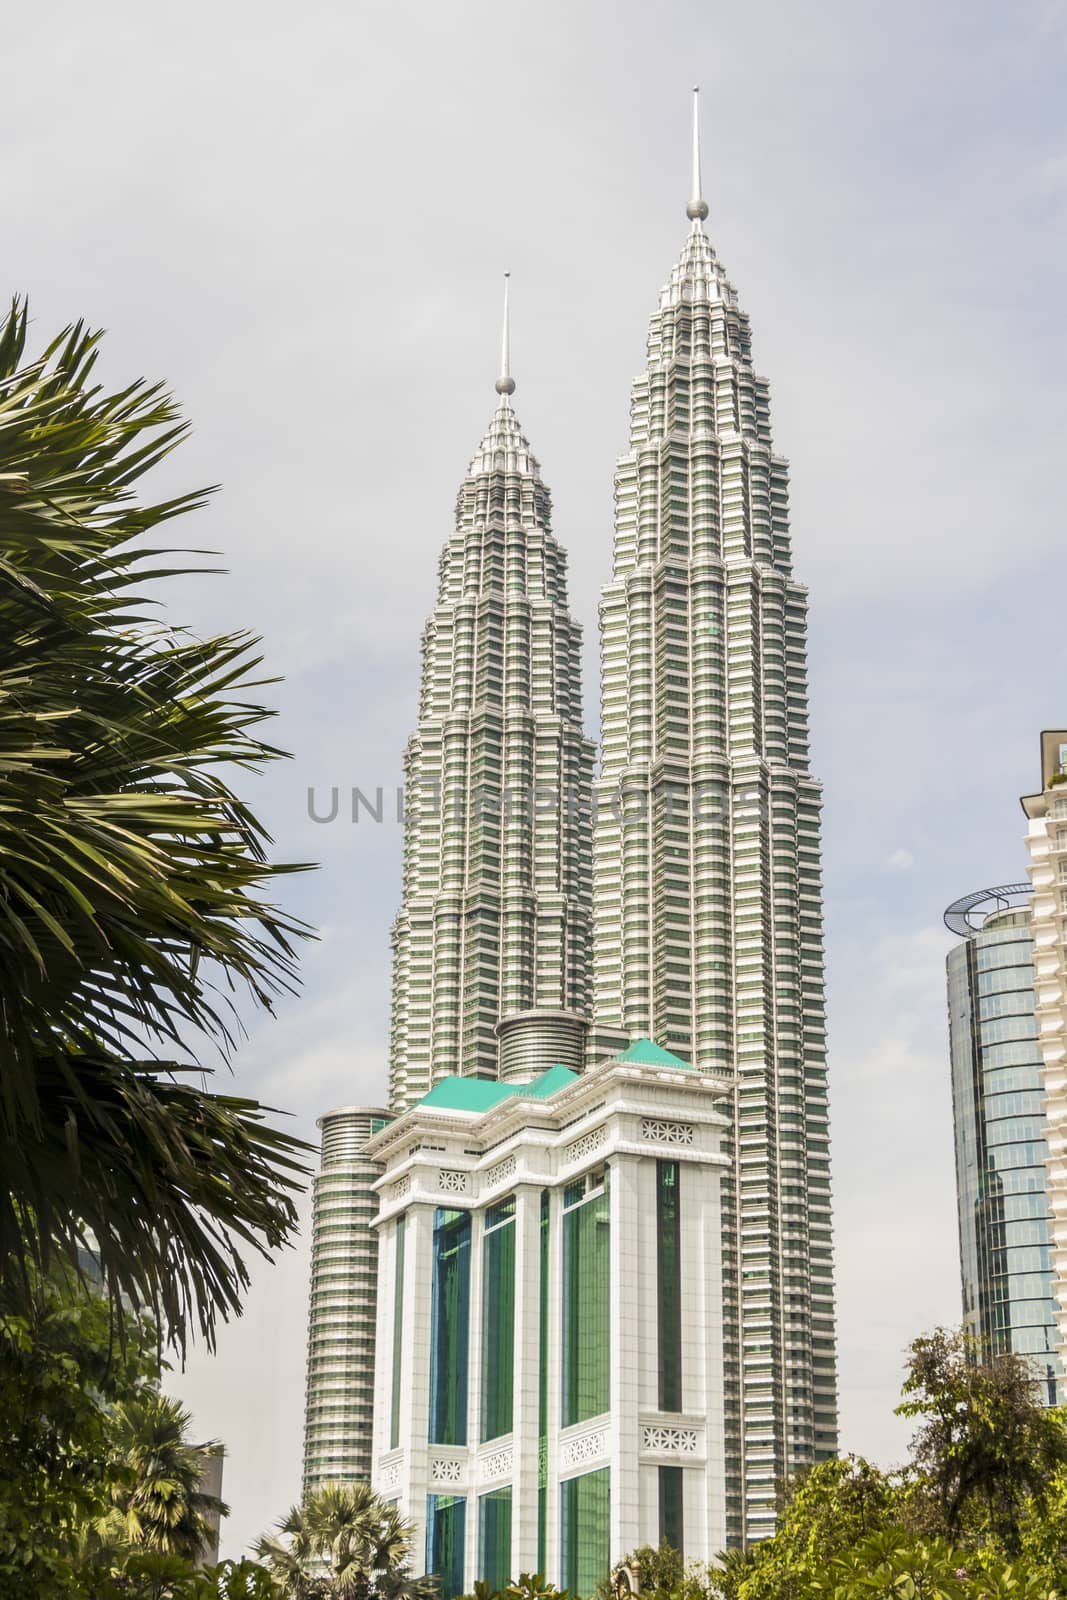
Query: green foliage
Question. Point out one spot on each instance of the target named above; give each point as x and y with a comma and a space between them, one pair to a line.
979, 1514
63, 1364
343, 1541
135, 892
830, 1508
99, 1484
896, 1565
986, 1450
1043, 1533
157, 1502
527, 1586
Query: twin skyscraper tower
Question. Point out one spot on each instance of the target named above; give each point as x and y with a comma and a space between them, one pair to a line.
651, 924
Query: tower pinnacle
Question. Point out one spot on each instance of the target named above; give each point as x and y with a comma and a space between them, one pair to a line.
505, 384
697, 209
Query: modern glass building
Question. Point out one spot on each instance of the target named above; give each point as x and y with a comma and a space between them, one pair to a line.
344, 1260
707, 879
997, 1100
550, 1262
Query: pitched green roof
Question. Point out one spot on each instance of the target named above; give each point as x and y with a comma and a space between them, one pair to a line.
643, 1053
460, 1093
549, 1082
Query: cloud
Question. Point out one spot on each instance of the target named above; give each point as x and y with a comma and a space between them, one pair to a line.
901, 860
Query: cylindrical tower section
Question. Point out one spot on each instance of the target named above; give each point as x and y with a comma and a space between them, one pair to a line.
533, 1041
344, 1261
997, 1105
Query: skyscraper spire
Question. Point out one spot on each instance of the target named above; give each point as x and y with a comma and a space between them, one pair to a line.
697, 209
505, 384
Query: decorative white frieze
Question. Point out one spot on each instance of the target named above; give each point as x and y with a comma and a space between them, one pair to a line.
445, 1469
401, 1187
586, 1145
502, 1171
666, 1132
662, 1440
453, 1182
497, 1465
389, 1473
586, 1447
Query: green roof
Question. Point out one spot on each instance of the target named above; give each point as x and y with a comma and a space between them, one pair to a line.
460, 1093
549, 1082
643, 1053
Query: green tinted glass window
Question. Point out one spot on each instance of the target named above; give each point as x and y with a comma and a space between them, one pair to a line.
498, 1330
586, 1309
585, 1532
494, 1539
446, 1527
671, 1525
669, 1285
449, 1347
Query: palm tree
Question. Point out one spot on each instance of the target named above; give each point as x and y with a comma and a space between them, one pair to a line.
346, 1544
291, 1556
134, 882
158, 1502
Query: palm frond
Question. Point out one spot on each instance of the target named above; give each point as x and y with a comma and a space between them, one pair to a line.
135, 883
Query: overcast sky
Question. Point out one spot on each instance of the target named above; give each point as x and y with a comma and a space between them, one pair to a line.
299, 216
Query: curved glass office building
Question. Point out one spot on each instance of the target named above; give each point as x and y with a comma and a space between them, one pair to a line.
997, 1097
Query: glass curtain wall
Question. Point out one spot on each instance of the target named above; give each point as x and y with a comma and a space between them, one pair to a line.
585, 1532
494, 1539
449, 1344
669, 1284
446, 1527
671, 1523
498, 1319
1000, 1146
586, 1304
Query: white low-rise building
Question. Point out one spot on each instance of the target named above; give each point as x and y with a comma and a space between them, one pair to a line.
549, 1389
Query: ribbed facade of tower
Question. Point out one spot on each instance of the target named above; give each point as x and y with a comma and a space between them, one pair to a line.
339, 1404
707, 878
495, 918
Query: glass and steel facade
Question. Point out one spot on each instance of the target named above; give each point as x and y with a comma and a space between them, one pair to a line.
997, 1098
450, 1336
586, 1299
498, 1320
585, 1531
341, 1330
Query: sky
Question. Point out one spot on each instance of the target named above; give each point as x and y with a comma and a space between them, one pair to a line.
299, 218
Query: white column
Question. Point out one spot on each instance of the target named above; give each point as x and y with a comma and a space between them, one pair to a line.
555, 1382
383, 1353
415, 1381
525, 1404
702, 1344
626, 1290
474, 1396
